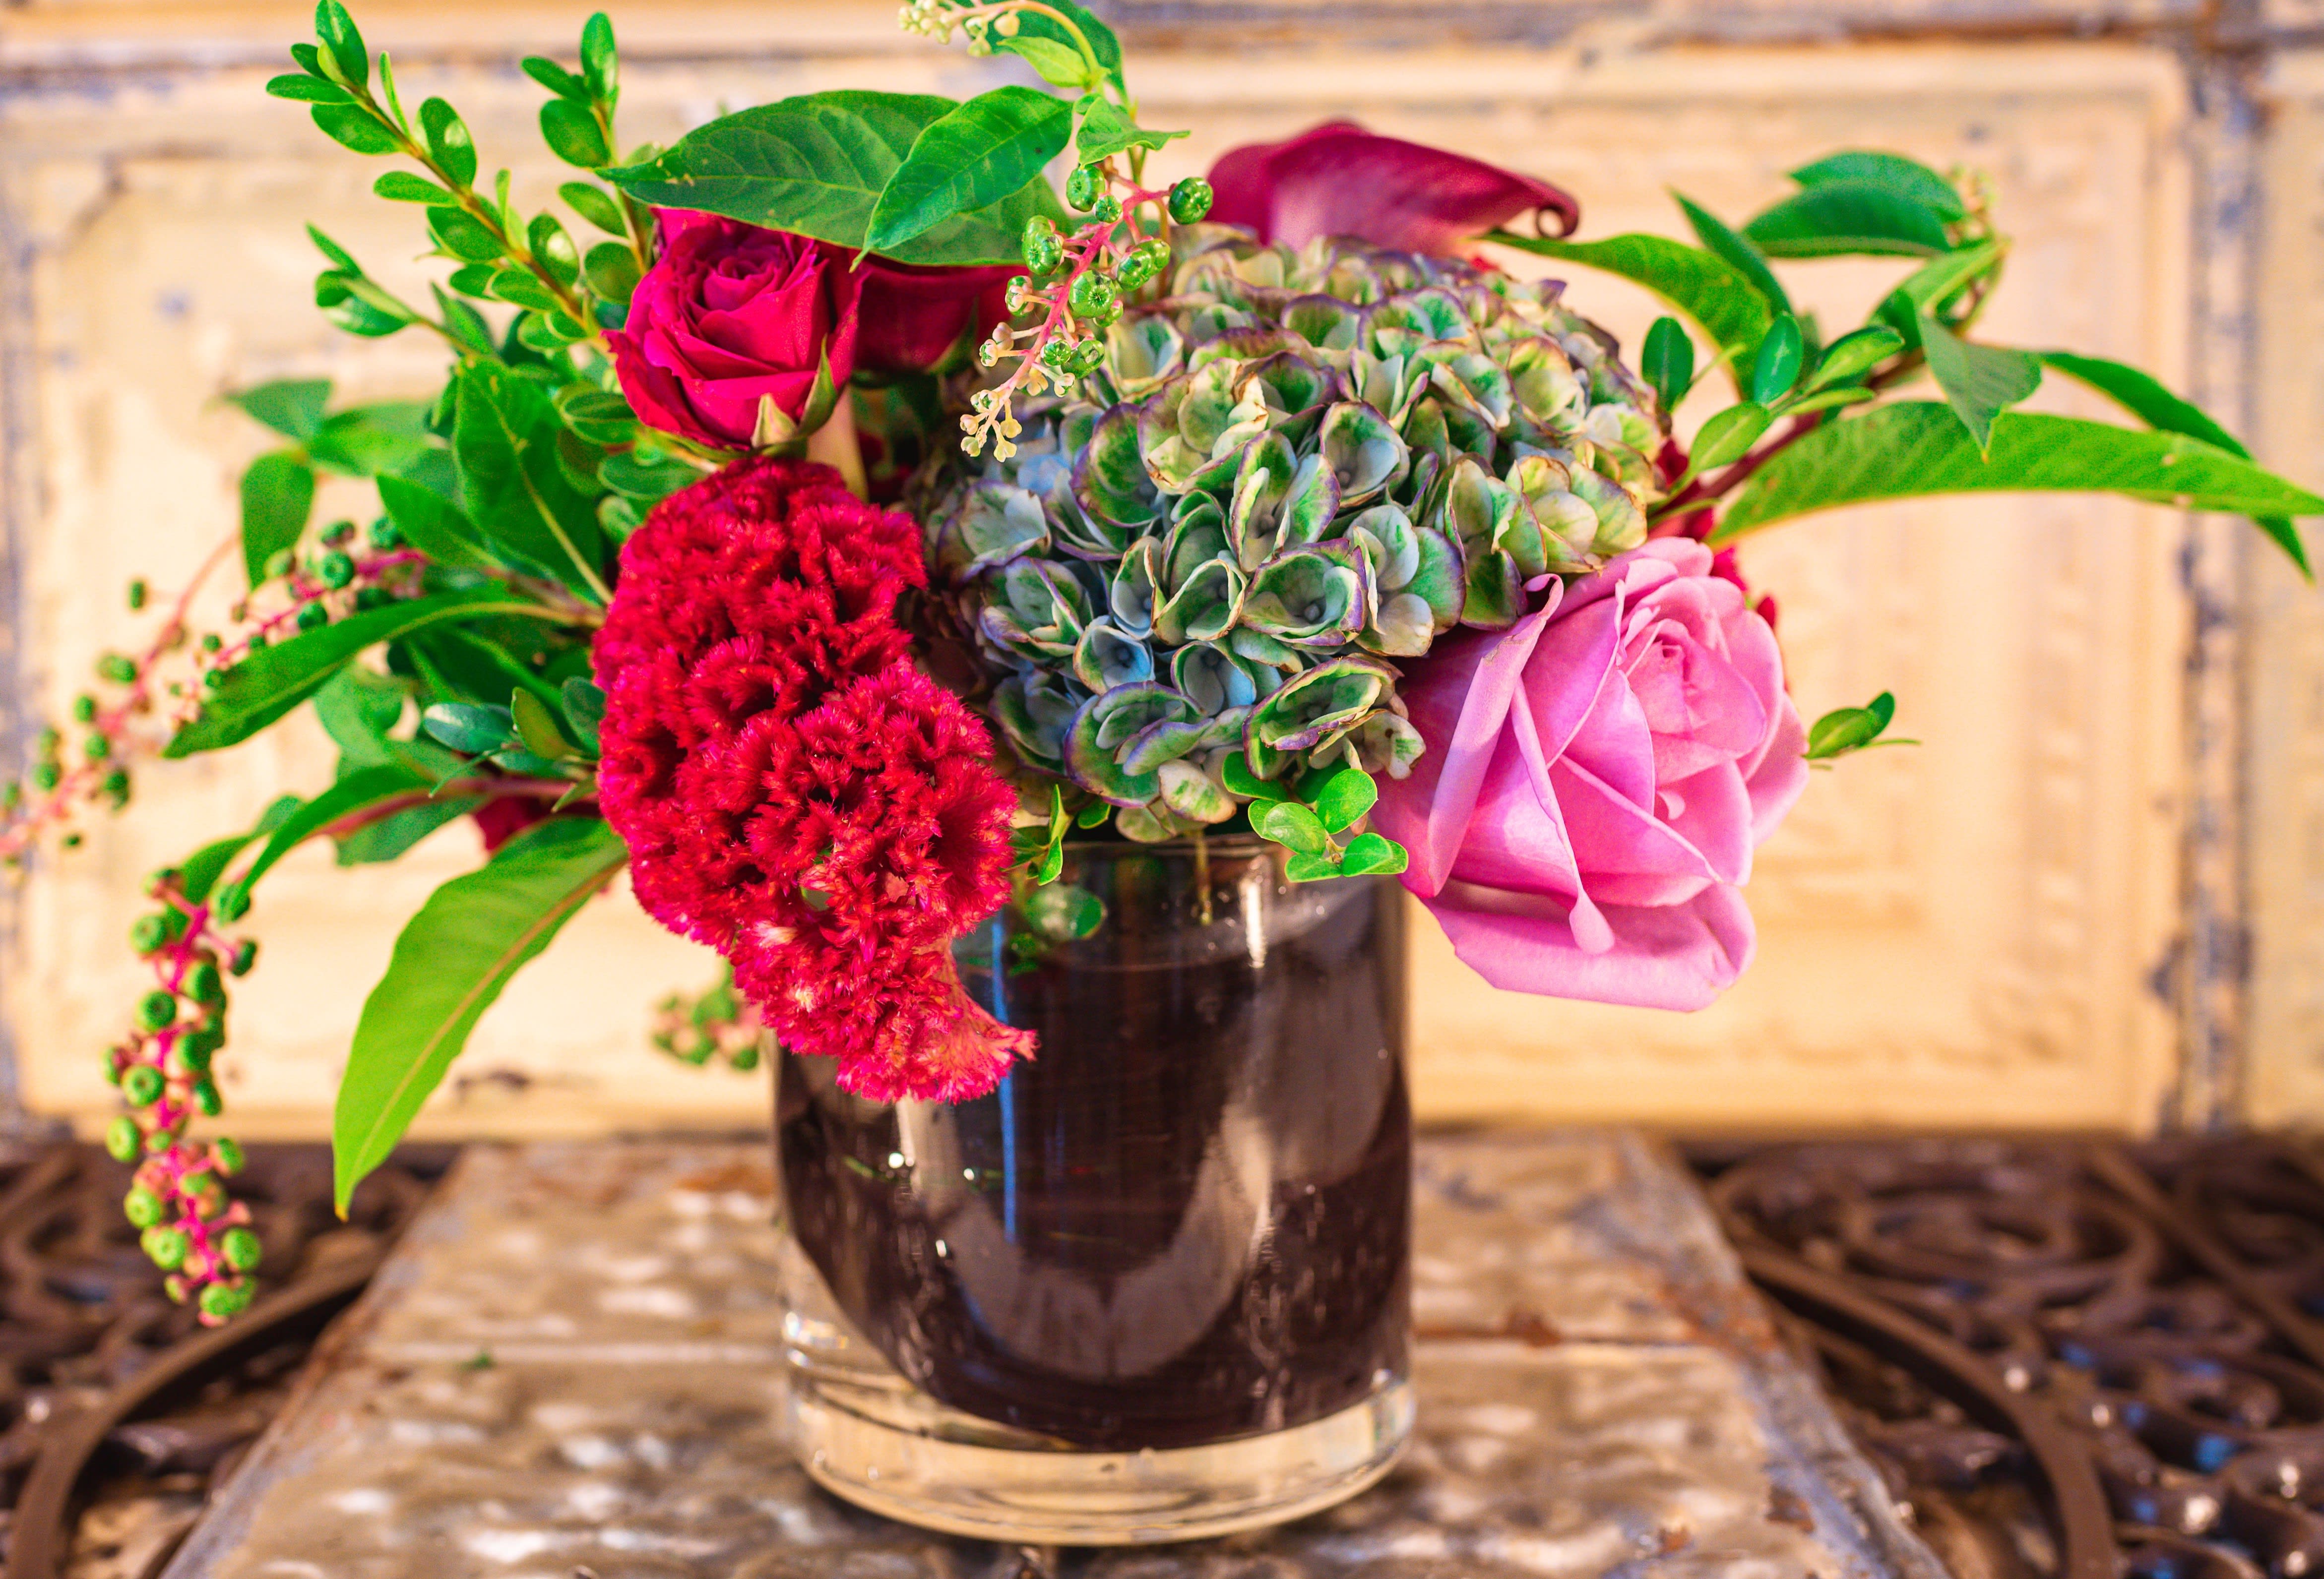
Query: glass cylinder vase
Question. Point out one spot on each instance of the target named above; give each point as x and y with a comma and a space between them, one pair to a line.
1155, 1286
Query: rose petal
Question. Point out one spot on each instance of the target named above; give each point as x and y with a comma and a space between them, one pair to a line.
1339, 179
912, 316
1673, 957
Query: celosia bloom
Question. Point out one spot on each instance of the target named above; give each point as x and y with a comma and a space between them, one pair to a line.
794, 792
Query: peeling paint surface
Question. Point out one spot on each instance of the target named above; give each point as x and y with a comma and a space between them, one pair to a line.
571, 1368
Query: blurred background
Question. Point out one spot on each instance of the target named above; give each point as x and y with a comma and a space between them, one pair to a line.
2093, 897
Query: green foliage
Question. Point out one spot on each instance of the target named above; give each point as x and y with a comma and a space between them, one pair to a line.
271, 682
1915, 449
1711, 294
1901, 177
514, 485
277, 495
969, 158
1737, 253
1667, 361
1849, 217
1777, 368
817, 164
1980, 381
293, 407
1105, 131
449, 965
1852, 728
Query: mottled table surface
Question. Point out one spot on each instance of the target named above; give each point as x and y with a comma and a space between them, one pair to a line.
569, 1371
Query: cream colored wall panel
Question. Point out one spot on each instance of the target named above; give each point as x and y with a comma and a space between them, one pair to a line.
2285, 1075
1960, 932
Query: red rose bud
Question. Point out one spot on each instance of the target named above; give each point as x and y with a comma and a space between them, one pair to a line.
731, 314
1339, 179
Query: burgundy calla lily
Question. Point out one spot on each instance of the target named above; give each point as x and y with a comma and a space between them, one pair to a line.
1339, 179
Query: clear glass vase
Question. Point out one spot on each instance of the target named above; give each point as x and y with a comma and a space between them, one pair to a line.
1156, 1285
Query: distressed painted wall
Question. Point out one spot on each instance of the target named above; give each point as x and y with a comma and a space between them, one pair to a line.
1965, 933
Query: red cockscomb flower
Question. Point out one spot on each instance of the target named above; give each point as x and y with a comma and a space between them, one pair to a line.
795, 792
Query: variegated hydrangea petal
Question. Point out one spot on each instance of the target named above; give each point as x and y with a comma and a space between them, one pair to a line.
1403, 628
1163, 740
1142, 351
1209, 675
1110, 479
1204, 606
1131, 594
1496, 592
1199, 537
1325, 322
1441, 580
1195, 794
1107, 656
1621, 520
1254, 518
1386, 534
1321, 705
1035, 710
1474, 383
1386, 743
1151, 824
994, 524
1306, 597
1314, 503
1363, 449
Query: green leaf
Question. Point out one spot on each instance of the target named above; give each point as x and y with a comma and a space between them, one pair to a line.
273, 680
593, 203
1905, 178
1313, 867
278, 492
1717, 298
1842, 218
355, 127
448, 142
1105, 132
1777, 368
434, 524
330, 249
200, 871
1736, 253
537, 725
1060, 65
1343, 798
599, 61
1728, 434
1930, 286
1293, 825
1236, 774
373, 441
364, 788
469, 728
1374, 854
1853, 353
448, 968
1850, 728
2144, 396
1917, 448
460, 235
817, 164
1103, 44
391, 837
338, 31
612, 270
973, 156
504, 433
400, 186
1667, 361
308, 89
555, 77
357, 709
646, 478
573, 134
1980, 381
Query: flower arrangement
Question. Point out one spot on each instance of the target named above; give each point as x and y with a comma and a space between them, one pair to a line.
826, 551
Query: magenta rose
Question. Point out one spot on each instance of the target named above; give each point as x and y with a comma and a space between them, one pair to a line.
730, 315
1339, 179
1596, 779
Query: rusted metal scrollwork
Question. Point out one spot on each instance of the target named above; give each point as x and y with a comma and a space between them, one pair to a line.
2028, 1337
117, 1411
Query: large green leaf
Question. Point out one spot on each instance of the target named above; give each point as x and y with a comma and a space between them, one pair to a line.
449, 965
817, 164
968, 158
1917, 448
1734, 250
1718, 301
363, 789
434, 524
515, 490
1980, 381
2143, 395
1890, 172
278, 493
372, 441
293, 407
1847, 217
273, 680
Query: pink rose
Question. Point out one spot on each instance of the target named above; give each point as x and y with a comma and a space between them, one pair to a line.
1339, 180
731, 313
1596, 779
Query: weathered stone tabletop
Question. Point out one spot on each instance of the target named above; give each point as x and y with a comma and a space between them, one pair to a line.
570, 1370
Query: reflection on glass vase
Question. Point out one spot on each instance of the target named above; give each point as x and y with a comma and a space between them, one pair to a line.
1156, 1285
